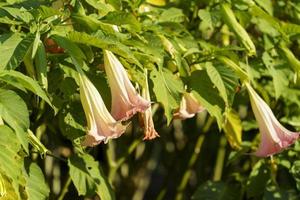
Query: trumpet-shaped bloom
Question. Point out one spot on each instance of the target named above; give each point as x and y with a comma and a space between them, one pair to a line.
189, 106
125, 99
149, 131
101, 125
274, 137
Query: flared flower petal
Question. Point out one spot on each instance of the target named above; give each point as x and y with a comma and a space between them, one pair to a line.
125, 99
149, 130
101, 125
274, 137
189, 106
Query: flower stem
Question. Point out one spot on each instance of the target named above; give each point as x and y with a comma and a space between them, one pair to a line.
65, 189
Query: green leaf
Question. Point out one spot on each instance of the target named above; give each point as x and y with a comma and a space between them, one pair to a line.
157, 2
123, 18
206, 25
44, 12
218, 191
172, 49
104, 42
258, 179
88, 177
14, 112
207, 94
14, 52
224, 79
71, 120
35, 44
241, 34
233, 129
8, 44
14, 77
234, 67
257, 12
266, 4
90, 24
36, 187
102, 7
20, 14
291, 29
11, 163
216, 78
291, 58
167, 89
70, 46
117, 4
280, 79
10, 193
172, 15
152, 47
41, 66
295, 171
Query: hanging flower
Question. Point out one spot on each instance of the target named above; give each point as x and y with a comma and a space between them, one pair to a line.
101, 125
149, 131
125, 99
189, 106
274, 137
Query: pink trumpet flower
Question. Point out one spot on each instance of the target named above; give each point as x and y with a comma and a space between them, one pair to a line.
189, 106
149, 131
101, 125
125, 99
274, 137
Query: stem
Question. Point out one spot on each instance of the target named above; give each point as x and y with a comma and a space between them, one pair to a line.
220, 160
65, 189
193, 159
52, 155
110, 154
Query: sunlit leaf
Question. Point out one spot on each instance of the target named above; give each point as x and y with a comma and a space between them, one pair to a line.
104, 42
88, 177
233, 129
14, 112
36, 186
167, 89
14, 77
172, 15
11, 163
200, 83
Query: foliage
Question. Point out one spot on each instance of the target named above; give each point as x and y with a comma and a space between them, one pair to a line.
208, 48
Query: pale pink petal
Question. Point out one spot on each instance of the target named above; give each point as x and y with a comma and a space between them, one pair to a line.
189, 107
125, 99
149, 130
101, 125
274, 137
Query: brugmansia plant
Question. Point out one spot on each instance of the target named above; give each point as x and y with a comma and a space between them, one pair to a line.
149, 99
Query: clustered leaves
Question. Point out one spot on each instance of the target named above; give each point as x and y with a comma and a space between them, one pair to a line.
176, 53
